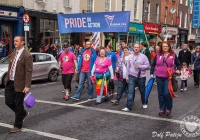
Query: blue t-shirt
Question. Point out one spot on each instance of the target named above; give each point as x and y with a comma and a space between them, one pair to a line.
113, 59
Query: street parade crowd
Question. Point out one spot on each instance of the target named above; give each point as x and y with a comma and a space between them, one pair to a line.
129, 67
100, 67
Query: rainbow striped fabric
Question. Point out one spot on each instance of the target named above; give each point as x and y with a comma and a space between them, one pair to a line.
102, 78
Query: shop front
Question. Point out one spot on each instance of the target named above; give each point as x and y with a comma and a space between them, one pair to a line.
135, 34
151, 33
11, 24
170, 35
182, 36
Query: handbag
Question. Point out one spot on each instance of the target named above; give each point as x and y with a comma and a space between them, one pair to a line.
192, 66
29, 100
174, 81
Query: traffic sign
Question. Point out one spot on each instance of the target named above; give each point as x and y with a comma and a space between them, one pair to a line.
26, 18
26, 27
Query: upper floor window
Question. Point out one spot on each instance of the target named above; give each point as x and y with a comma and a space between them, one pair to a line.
90, 5
123, 5
180, 15
166, 10
107, 5
186, 2
181, 1
148, 11
157, 13
185, 21
135, 9
66, 2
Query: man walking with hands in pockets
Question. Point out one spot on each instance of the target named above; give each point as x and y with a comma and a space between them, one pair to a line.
18, 81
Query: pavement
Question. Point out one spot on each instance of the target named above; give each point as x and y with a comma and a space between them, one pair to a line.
54, 118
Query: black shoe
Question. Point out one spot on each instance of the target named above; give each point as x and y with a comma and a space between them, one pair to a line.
76, 86
197, 86
97, 103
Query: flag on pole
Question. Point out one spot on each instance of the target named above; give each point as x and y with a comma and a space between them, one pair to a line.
95, 39
189, 3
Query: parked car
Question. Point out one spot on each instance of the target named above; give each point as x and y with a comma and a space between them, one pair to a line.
44, 67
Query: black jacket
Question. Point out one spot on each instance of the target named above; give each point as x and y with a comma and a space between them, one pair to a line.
184, 56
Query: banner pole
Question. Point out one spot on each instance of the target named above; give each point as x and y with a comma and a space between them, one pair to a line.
146, 39
60, 41
127, 38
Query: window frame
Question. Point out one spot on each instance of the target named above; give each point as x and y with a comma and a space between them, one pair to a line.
107, 8
166, 14
90, 5
157, 13
38, 58
123, 5
136, 9
64, 3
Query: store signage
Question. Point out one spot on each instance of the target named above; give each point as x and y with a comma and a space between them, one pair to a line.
94, 22
8, 13
170, 30
196, 14
136, 28
152, 28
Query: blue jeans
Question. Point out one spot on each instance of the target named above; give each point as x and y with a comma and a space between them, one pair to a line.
83, 76
122, 86
165, 100
132, 81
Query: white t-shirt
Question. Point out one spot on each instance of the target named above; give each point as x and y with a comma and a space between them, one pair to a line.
124, 67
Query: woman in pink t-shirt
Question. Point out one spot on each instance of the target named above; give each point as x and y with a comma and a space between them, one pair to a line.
103, 71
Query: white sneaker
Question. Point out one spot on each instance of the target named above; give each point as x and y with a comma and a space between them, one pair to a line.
144, 106
185, 89
136, 87
126, 109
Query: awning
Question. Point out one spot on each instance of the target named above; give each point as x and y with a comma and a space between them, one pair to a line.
8, 19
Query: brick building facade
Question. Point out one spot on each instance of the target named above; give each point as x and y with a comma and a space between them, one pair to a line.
168, 16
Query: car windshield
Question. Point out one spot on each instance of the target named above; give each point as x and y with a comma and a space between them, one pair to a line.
4, 60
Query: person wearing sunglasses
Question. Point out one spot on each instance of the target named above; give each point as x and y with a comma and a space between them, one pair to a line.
68, 61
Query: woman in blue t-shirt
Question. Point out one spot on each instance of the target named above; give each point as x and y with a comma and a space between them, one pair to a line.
113, 59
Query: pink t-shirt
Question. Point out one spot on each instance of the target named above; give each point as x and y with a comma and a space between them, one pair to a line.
102, 67
86, 61
67, 60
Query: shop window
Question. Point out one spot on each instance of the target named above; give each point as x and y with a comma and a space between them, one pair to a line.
41, 24
6, 37
123, 5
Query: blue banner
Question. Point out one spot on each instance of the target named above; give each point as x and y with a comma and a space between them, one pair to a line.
196, 14
94, 22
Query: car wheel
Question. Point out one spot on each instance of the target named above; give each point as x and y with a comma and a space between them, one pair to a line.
53, 76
